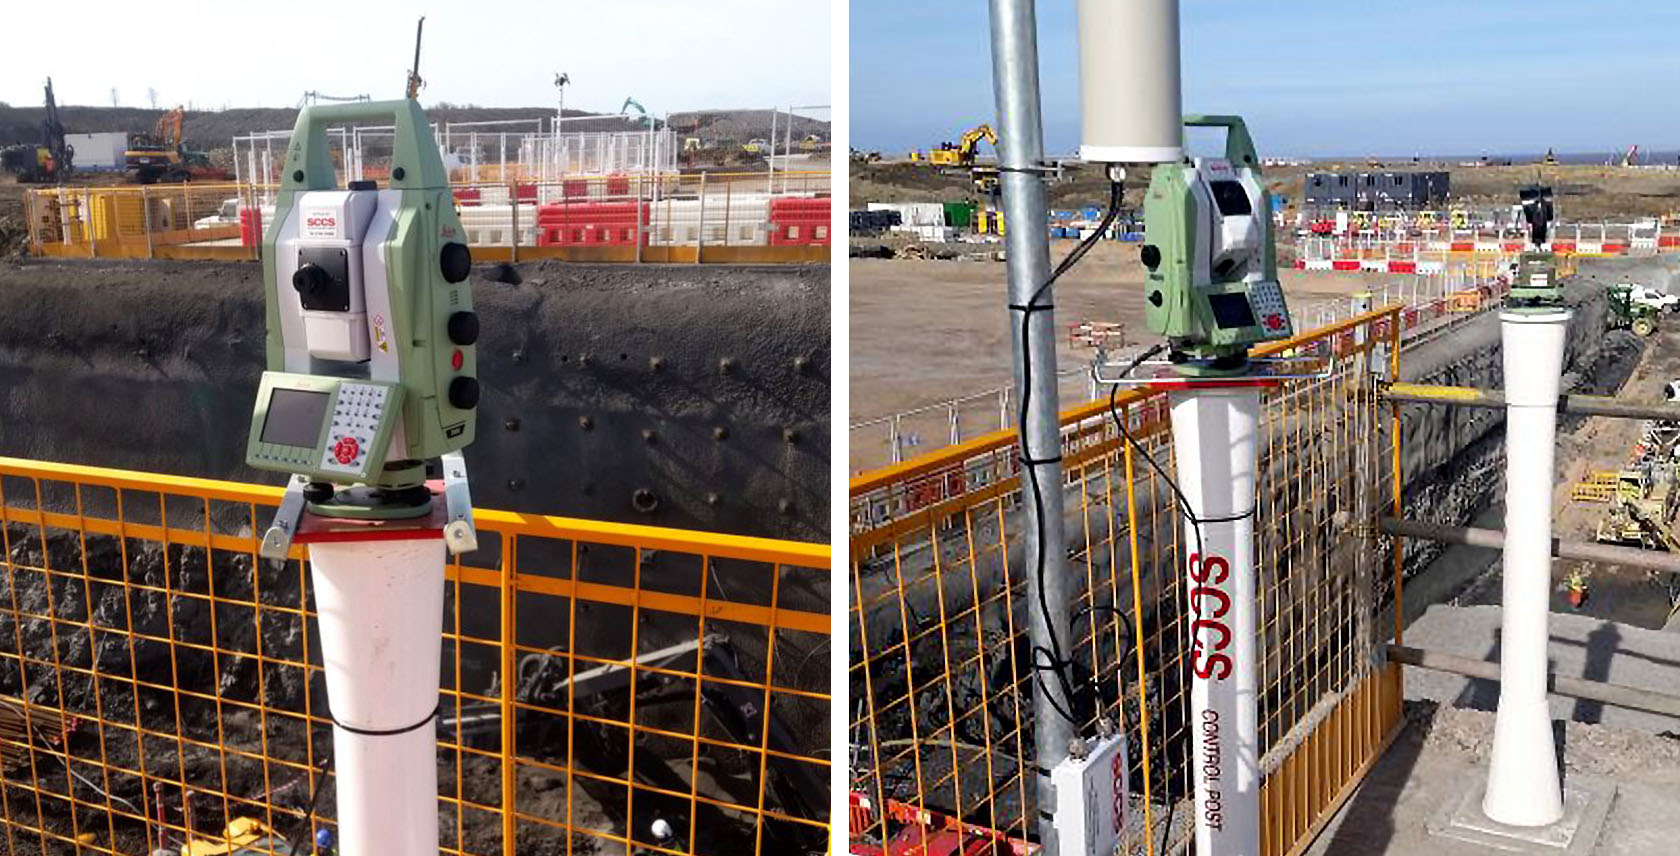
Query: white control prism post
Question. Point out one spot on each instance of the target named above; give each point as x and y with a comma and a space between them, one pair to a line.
381, 617
1214, 429
1523, 787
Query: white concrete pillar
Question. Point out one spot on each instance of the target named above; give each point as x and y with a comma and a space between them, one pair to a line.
1523, 787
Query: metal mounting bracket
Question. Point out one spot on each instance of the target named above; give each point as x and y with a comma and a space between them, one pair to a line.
459, 534
1262, 369
277, 541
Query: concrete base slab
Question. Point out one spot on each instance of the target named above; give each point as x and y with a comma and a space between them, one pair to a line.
1586, 803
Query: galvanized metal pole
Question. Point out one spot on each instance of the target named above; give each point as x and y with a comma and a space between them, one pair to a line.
700, 234
1020, 155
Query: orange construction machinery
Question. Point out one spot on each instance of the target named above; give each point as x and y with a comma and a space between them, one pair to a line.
161, 156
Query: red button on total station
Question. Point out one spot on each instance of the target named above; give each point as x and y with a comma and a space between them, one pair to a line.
346, 449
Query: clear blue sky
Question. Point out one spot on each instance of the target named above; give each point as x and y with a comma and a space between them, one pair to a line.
671, 55
1313, 77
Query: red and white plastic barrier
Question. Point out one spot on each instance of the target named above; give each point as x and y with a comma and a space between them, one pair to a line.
800, 221
591, 224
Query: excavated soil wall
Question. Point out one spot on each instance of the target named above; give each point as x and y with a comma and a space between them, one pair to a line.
695, 397
1453, 458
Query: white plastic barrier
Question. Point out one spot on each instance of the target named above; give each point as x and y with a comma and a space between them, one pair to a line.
735, 219
492, 225
914, 213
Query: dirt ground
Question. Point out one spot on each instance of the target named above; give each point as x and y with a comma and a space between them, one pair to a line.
14, 232
925, 332
1584, 191
1443, 755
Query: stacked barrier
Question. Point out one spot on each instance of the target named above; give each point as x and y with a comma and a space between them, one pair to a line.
591, 224
681, 214
492, 224
719, 220
250, 226
798, 221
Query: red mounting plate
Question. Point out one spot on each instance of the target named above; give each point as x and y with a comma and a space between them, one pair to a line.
1167, 378
317, 529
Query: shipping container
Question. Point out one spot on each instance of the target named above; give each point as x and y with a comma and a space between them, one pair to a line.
98, 152
959, 215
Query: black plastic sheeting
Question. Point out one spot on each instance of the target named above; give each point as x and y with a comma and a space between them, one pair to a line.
688, 396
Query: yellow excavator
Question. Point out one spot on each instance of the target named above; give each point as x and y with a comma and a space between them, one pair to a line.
961, 153
161, 156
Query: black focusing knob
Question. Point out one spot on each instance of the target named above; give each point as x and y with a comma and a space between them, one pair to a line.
463, 393
463, 328
1151, 256
311, 279
455, 261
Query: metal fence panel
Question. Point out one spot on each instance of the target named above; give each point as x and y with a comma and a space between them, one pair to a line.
940, 730
596, 678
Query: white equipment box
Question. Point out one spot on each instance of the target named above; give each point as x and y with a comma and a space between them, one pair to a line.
1092, 794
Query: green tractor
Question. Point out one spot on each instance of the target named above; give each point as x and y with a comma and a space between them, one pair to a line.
1623, 313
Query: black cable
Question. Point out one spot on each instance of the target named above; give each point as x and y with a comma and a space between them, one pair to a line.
1055, 663
1196, 522
315, 788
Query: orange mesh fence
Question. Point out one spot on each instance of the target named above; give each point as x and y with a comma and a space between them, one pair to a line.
606, 688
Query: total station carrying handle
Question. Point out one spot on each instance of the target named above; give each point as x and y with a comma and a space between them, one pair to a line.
415, 162
1239, 146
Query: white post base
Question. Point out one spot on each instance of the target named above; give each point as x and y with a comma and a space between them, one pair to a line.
381, 611
1523, 787
1214, 436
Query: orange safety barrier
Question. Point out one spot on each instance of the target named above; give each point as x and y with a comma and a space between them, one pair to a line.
591, 224
250, 226
800, 221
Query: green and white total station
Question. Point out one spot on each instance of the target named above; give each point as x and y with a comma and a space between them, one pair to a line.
1212, 287
1536, 285
371, 331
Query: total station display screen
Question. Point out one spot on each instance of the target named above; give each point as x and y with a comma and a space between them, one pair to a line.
294, 417
1231, 311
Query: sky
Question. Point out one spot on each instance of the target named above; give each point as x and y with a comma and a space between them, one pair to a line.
1313, 77
671, 55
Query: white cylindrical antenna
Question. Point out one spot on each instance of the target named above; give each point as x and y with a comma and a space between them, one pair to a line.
1129, 94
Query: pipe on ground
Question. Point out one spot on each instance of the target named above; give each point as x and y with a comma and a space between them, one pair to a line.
1619, 695
1580, 405
1493, 539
